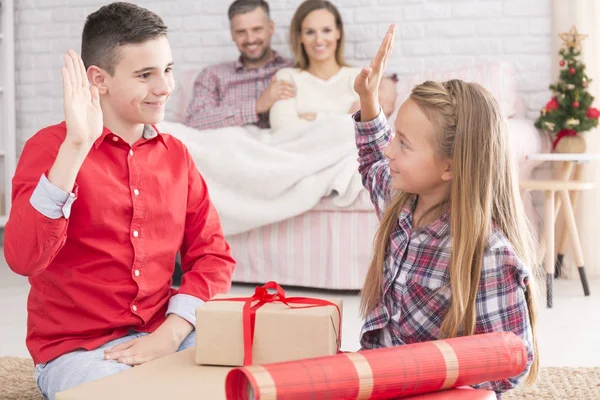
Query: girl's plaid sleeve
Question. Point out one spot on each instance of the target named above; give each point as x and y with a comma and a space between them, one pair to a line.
502, 307
371, 139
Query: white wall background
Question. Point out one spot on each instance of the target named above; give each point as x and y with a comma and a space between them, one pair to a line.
431, 34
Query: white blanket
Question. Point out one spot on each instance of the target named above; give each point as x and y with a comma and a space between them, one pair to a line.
258, 177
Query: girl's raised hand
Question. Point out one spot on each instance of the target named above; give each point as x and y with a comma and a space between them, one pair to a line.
367, 81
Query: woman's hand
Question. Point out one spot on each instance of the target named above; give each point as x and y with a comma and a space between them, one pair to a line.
367, 81
308, 116
387, 95
277, 90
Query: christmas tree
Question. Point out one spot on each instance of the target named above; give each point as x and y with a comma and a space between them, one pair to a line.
570, 110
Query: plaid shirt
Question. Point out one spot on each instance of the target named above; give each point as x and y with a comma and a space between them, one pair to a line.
225, 94
416, 287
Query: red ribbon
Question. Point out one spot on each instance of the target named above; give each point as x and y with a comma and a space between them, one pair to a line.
261, 297
563, 133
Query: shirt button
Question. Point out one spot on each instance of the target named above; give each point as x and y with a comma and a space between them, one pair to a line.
130, 152
136, 192
115, 139
134, 307
136, 272
136, 234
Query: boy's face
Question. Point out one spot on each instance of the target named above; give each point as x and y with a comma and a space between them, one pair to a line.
142, 82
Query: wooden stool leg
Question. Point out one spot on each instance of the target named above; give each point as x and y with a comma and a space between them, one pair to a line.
572, 227
564, 238
565, 175
549, 233
559, 263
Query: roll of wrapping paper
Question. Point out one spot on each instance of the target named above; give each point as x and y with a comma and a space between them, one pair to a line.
386, 373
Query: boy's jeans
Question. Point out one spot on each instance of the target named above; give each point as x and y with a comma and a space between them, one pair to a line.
82, 366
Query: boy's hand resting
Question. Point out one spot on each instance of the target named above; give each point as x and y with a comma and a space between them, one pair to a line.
367, 81
83, 114
144, 349
162, 342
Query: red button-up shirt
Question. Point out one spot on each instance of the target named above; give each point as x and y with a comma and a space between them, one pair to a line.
105, 266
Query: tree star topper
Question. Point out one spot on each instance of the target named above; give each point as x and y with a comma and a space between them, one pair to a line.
572, 39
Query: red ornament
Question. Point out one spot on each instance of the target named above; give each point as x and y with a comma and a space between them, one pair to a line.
572, 71
575, 104
562, 63
552, 105
593, 113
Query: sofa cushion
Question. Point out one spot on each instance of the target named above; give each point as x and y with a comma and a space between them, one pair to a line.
498, 78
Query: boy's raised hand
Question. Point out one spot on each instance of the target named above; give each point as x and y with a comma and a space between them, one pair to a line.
367, 81
83, 114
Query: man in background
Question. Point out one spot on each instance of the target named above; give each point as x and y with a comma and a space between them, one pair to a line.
241, 92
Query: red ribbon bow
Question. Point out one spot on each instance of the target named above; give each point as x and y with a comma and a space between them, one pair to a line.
261, 297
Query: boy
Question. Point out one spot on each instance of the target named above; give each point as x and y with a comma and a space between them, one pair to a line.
102, 203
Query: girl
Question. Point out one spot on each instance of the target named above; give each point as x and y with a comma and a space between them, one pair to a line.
452, 256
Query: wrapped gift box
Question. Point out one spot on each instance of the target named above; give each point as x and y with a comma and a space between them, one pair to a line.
281, 332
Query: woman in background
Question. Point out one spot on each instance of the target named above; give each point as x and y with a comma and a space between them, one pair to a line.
324, 81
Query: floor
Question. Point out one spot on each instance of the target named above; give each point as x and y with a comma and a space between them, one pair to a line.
568, 333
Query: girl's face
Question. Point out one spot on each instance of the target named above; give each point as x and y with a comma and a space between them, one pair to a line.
319, 35
414, 164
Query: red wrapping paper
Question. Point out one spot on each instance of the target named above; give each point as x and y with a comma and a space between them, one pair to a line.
388, 373
456, 394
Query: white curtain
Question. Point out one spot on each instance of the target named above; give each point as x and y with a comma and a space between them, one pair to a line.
585, 15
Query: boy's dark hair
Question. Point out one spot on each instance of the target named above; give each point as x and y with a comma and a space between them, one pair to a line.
245, 6
113, 26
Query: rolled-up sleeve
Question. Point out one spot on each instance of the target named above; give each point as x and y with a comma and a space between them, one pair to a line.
50, 200
184, 306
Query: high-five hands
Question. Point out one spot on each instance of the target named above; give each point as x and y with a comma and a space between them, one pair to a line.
367, 81
83, 114
83, 117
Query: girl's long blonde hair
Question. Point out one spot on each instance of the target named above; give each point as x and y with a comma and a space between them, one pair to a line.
484, 191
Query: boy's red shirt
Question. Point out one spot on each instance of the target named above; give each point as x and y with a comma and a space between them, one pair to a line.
106, 269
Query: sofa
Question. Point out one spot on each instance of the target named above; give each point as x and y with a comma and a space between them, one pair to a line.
329, 247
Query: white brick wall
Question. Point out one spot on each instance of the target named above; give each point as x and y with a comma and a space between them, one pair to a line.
431, 34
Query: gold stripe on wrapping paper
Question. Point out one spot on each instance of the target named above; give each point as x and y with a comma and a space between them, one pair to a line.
365, 375
451, 363
266, 386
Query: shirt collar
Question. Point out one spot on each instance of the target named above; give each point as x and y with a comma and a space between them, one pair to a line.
440, 227
436, 229
150, 132
277, 59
